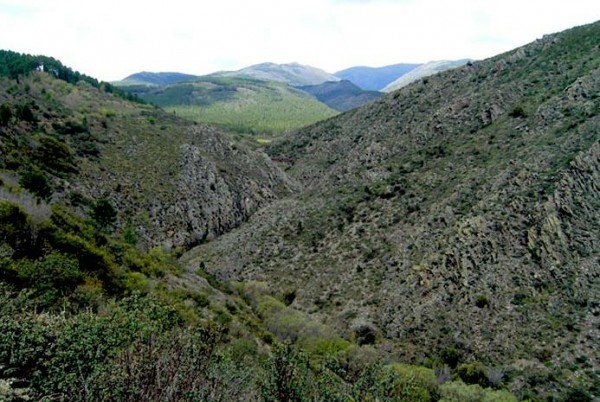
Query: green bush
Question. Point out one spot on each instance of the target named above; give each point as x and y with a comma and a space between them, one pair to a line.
473, 373
135, 281
421, 378
5, 114
62, 354
326, 347
55, 271
289, 378
15, 228
518, 111
24, 113
458, 391
104, 214
389, 383
36, 182
54, 155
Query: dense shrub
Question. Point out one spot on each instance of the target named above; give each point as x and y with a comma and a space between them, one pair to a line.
62, 354
457, 391
36, 182
15, 228
289, 378
54, 272
54, 155
24, 113
103, 213
5, 114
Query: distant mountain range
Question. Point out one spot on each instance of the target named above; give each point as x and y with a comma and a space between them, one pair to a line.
341, 95
424, 70
292, 74
251, 89
148, 78
375, 78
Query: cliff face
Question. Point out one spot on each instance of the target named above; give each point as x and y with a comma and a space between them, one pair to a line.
457, 214
173, 182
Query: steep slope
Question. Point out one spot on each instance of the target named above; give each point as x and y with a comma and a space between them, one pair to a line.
341, 95
424, 70
457, 219
238, 104
375, 78
86, 315
148, 78
292, 73
173, 182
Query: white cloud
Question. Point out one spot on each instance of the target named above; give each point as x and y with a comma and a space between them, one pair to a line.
111, 39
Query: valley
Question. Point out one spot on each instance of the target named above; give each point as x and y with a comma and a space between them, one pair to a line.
436, 243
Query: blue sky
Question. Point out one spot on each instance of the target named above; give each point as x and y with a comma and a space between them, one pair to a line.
111, 39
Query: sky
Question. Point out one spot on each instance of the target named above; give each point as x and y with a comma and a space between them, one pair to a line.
111, 39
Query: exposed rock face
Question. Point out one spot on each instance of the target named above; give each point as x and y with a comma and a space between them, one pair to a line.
210, 187
459, 213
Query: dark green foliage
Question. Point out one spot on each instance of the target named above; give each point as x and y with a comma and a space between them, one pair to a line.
171, 367
450, 356
365, 334
5, 114
24, 112
578, 395
518, 111
289, 296
104, 213
482, 301
129, 234
80, 137
15, 227
60, 356
54, 271
37, 182
54, 155
472, 373
289, 376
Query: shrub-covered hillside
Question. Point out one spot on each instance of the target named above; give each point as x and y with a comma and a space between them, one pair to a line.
457, 218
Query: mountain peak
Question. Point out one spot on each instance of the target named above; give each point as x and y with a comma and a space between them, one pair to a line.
290, 73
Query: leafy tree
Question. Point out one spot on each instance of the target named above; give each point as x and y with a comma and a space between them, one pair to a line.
104, 214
